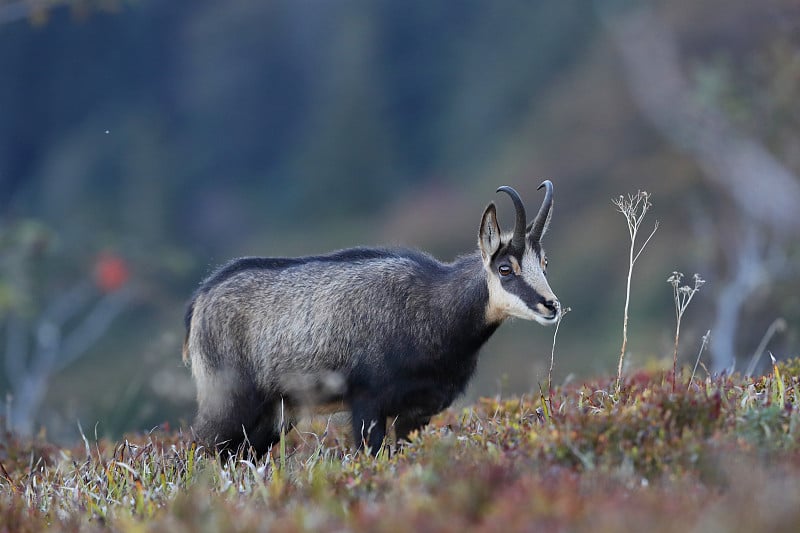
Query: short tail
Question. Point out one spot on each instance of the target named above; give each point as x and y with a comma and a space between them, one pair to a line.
187, 320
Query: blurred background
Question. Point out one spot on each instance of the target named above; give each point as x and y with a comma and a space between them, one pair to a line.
144, 143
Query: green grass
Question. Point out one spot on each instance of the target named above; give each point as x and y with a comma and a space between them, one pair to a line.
718, 454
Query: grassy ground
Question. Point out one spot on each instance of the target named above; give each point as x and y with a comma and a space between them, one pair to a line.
717, 454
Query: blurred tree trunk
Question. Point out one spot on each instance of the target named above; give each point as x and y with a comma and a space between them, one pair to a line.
763, 190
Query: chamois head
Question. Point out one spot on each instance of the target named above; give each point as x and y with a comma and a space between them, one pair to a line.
516, 264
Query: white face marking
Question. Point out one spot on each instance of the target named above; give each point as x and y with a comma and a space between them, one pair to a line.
503, 304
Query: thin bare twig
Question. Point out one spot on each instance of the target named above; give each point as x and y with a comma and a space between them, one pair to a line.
778, 325
703, 344
553, 350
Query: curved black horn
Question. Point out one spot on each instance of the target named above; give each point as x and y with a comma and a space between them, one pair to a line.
518, 239
537, 226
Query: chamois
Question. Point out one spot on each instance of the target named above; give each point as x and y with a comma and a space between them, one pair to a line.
385, 333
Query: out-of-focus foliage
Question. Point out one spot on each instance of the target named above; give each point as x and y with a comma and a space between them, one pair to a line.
21, 243
181, 133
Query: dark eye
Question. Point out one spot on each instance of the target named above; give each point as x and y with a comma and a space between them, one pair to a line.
504, 270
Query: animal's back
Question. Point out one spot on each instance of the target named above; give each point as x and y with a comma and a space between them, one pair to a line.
284, 318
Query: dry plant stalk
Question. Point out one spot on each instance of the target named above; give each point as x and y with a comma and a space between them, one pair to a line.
564, 311
682, 296
703, 345
778, 325
633, 207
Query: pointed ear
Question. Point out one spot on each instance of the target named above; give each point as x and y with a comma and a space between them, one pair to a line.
489, 235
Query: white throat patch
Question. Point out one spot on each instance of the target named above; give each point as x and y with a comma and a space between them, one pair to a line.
503, 304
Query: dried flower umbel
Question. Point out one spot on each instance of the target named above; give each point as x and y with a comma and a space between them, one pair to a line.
682, 295
633, 207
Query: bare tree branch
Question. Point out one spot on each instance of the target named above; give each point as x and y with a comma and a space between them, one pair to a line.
66, 305
31, 368
762, 187
94, 326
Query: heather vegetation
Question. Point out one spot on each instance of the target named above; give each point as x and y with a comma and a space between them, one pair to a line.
719, 453
144, 143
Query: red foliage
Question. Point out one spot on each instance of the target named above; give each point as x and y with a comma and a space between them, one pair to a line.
110, 272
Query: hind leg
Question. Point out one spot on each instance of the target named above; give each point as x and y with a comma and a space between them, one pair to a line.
218, 432
267, 431
231, 410
257, 424
224, 430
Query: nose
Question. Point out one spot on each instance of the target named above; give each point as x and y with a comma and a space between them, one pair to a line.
553, 306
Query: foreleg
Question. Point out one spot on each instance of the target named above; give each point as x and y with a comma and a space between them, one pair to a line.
407, 424
369, 424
